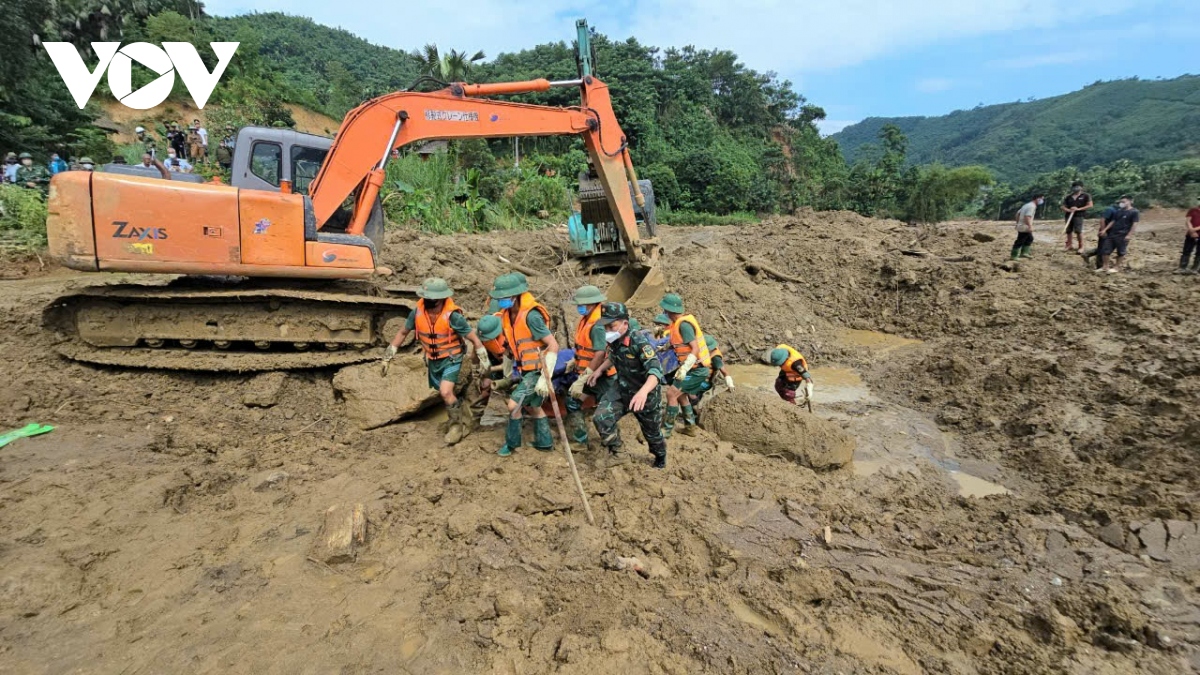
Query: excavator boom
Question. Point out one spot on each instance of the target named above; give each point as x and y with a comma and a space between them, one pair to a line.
370, 132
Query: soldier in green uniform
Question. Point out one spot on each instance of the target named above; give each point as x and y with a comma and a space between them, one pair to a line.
32, 176
637, 388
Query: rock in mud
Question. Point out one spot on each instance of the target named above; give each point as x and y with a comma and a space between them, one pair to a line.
765, 424
263, 391
342, 534
373, 400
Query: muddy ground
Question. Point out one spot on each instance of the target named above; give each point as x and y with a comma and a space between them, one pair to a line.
1023, 498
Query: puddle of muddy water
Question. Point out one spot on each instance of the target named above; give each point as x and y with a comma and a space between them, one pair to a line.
891, 439
974, 486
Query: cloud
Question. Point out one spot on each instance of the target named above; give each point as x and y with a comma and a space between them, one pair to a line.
779, 35
830, 127
1039, 60
933, 85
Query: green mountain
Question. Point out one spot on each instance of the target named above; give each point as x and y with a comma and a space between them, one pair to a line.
1146, 121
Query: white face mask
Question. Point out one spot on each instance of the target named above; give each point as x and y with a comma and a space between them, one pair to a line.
611, 336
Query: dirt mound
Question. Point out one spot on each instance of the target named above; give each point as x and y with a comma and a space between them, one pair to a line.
769, 426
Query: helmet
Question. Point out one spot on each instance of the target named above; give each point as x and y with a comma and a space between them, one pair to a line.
613, 311
434, 288
489, 327
509, 285
139, 130
86, 160
588, 295
672, 303
662, 320
778, 357
11, 155
26, 155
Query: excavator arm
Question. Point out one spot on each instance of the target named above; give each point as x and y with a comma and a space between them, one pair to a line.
356, 163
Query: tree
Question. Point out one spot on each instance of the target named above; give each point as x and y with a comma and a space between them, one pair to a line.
935, 193
453, 66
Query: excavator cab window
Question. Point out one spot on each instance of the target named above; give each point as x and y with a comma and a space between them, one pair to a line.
306, 162
266, 161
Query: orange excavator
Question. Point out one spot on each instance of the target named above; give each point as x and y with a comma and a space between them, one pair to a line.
303, 263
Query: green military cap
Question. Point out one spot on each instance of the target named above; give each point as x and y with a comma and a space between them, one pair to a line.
613, 311
672, 303
26, 155
489, 327
662, 320
434, 288
589, 295
778, 357
509, 285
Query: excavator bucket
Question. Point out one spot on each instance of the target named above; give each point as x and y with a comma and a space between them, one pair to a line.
638, 286
596, 241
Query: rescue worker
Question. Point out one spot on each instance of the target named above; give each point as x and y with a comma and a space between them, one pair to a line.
534, 351
718, 362
695, 364
491, 333
444, 334
32, 176
86, 164
793, 370
589, 353
636, 387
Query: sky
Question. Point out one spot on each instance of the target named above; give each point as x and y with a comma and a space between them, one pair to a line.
854, 58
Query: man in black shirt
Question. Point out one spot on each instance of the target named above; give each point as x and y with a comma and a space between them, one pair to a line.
1117, 235
1076, 205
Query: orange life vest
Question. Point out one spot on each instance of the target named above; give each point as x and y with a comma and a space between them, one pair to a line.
789, 373
683, 349
526, 350
436, 336
584, 349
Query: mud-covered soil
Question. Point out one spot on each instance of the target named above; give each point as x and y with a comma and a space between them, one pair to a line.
168, 524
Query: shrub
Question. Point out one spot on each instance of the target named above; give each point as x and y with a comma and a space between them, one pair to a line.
22, 215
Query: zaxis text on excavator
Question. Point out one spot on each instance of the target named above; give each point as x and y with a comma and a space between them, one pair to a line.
300, 252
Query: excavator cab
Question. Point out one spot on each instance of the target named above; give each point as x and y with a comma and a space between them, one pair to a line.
285, 160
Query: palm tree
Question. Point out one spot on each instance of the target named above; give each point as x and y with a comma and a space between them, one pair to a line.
452, 67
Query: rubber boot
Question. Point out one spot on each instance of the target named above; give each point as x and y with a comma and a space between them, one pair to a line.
577, 426
669, 421
689, 421
542, 440
1016, 253
455, 432
1027, 251
466, 417
659, 450
512, 438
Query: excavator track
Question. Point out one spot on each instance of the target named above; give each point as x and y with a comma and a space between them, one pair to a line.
217, 326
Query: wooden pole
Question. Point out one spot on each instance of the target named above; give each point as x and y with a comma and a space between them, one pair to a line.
562, 432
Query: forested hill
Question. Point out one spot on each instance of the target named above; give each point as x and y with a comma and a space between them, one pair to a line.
1146, 121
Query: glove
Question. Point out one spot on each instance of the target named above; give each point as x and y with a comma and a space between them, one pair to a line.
576, 390
687, 365
729, 381
485, 363
808, 390
389, 353
542, 388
